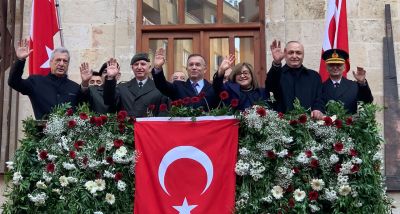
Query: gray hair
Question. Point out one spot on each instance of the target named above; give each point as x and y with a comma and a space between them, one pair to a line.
59, 50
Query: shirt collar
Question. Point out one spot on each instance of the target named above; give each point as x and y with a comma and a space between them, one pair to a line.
143, 81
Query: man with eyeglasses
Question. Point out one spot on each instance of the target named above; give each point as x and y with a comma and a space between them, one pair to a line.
45, 92
341, 89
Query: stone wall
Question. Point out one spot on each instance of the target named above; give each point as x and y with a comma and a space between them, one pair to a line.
95, 30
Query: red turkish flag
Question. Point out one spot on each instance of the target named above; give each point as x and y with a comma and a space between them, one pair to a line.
185, 166
336, 34
44, 26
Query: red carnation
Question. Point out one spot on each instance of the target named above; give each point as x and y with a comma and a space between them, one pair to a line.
83, 116
353, 153
103, 118
121, 115
121, 127
71, 124
261, 112
296, 170
98, 121
290, 188
85, 160
151, 107
78, 145
328, 121
289, 154
118, 143
101, 150
355, 168
195, 99
186, 100
337, 168
338, 124
163, 107
349, 121
179, 102
72, 154
69, 112
338, 146
314, 163
50, 167
43, 155
224, 95
308, 153
109, 160
174, 103
281, 115
313, 195
293, 122
92, 120
291, 202
202, 95
118, 176
303, 118
234, 103
270, 154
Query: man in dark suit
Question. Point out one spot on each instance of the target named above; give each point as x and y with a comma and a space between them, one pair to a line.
136, 96
196, 84
339, 88
293, 80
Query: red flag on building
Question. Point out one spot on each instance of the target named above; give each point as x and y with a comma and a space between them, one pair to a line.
44, 26
336, 35
185, 166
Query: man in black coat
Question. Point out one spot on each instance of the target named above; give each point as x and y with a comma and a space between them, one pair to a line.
339, 88
196, 68
45, 92
293, 80
137, 96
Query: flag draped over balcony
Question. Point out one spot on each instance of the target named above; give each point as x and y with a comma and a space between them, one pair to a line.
44, 26
336, 34
185, 166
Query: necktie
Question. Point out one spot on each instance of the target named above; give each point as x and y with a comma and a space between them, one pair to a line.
195, 87
336, 85
140, 84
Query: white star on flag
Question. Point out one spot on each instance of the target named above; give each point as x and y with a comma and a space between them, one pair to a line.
185, 208
47, 63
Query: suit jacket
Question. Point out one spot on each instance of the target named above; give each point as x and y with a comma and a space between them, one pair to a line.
246, 98
129, 97
94, 96
348, 92
287, 84
179, 90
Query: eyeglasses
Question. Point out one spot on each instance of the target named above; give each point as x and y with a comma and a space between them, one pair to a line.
244, 73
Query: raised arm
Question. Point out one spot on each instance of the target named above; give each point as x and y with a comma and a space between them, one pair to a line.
110, 94
15, 80
364, 92
165, 87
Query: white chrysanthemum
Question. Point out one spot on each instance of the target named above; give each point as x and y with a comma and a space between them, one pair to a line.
41, 185
314, 208
17, 178
244, 151
344, 190
282, 153
10, 165
51, 157
39, 199
101, 184
317, 184
302, 158
63, 181
299, 195
68, 166
356, 160
277, 192
330, 195
334, 159
110, 198
242, 168
121, 186
91, 186
121, 152
108, 174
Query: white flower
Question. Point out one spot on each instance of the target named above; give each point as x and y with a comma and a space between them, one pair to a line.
121, 186
267, 199
108, 174
63, 181
299, 195
282, 153
10, 165
242, 168
38, 199
101, 184
302, 158
314, 208
330, 195
58, 191
110, 198
68, 166
317, 184
72, 179
334, 159
51, 157
46, 177
378, 156
356, 160
17, 178
344, 190
91, 186
41, 185
277, 192
98, 212
121, 152
244, 151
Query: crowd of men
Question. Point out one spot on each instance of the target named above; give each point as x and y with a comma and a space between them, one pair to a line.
104, 95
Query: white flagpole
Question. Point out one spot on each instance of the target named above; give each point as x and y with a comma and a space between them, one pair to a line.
59, 23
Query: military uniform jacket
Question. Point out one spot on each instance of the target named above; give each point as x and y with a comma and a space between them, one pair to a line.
94, 96
180, 89
129, 97
45, 92
287, 84
348, 92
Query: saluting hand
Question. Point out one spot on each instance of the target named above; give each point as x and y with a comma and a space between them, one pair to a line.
112, 69
159, 58
225, 64
23, 51
276, 51
359, 75
86, 74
